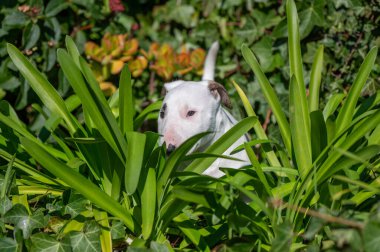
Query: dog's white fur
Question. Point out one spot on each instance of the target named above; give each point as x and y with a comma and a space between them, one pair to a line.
177, 122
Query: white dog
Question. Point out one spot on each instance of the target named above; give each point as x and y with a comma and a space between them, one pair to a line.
190, 108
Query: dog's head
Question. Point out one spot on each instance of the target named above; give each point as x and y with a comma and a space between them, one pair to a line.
190, 108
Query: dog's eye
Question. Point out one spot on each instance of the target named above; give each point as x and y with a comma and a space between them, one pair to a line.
162, 114
190, 113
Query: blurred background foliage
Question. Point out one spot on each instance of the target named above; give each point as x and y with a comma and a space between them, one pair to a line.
165, 40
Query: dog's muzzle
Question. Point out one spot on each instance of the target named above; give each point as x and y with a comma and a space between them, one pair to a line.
170, 149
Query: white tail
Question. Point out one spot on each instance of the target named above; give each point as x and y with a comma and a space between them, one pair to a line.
209, 66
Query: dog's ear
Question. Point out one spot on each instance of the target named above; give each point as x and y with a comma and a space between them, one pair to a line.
169, 86
218, 89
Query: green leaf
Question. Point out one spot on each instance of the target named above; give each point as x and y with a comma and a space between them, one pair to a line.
371, 235
87, 240
283, 238
46, 243
347, 112
54, 7
8, 244
76, 205
311, 16
72, 50
101, 115
222, 144
48, 95
296, 70
78, 182
270, 96
135, 156
300, 130
270, 155
148, 203
315, 80
319, 133
20, 217
332, 104
31, 35
126, 105
172, 163
5, 205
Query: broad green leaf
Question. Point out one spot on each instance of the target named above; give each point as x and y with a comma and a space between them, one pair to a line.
126, 105
148, 203
78, 182
300, 130
20, 217
371, 235
222, 144
87, 240
44, 242
270, 96
347, 112
5, 205
8, 244
135, 156
48, 95
283, 238
315, 80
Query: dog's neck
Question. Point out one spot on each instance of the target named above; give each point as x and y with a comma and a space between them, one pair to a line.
223, 122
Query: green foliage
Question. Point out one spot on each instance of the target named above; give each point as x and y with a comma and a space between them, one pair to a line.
90, 181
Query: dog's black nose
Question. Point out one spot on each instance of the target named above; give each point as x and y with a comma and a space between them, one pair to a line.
170, 149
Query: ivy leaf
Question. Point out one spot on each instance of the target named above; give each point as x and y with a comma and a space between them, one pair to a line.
88, 240
371, 235
311, 16
117, 230
8, 244
283, 238
263, 50
5, 205
20, 217
77, 205
44, 242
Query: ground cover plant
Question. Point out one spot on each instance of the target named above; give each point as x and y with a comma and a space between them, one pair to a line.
95, 182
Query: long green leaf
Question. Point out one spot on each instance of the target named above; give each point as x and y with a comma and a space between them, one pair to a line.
347, 112
72, 49
300, 130
270, 96
172, 163
260, 132
148, 203
48, 95
126, 106
315, 80
79, 183
135, 156
222, 144
100, 115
